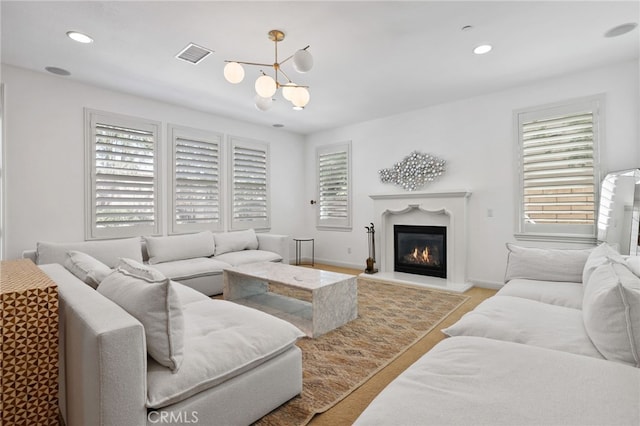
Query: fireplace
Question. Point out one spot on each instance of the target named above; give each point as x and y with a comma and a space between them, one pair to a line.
420, 250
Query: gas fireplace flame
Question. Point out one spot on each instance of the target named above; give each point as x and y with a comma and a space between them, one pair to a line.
422, 256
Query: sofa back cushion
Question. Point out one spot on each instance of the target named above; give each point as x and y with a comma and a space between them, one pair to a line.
179, 247
611, 312
106, 251
633, 263
599, 256
545, 264
236, 241
87, 268
157, 306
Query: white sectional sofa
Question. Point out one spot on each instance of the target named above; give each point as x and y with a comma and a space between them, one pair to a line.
195, 260
143, 350
559, 344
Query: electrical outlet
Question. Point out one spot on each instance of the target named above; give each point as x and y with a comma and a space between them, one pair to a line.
348, 250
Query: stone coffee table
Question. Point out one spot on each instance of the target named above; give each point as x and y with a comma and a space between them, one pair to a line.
315, 301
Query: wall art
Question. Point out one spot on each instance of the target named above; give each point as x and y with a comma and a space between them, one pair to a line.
414, 171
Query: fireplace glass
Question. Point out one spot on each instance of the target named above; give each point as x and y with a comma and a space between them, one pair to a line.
420, 250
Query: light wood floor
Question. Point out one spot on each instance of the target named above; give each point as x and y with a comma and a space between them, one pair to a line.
348, 410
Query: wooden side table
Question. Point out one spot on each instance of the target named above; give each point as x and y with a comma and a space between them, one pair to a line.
28, 345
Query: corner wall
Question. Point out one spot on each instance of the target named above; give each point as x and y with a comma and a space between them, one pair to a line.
44, 146
476, 138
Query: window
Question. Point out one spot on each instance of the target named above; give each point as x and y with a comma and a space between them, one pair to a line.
122, 163
334, 186
196, 180
558, 158
249, 173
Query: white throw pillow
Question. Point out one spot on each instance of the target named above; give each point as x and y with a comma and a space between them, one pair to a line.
633, 263
545, 264
611, 312
106, 251
179, 247
140, 270
599, 256
157, 306
235, 241
88, 269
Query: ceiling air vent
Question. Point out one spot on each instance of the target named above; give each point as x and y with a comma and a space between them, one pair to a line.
193, 53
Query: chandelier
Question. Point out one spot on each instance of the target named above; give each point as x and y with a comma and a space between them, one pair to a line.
266, 86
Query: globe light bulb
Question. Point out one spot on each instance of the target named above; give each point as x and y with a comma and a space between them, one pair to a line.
302, 61
287, 91
300, 97
233, 72
263, 104
265, 86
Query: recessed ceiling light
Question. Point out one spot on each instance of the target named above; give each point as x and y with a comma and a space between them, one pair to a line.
57, 71
79, 37
482, 49
620, 29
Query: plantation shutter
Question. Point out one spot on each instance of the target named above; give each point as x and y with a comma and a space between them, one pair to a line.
196, 180
249, 185
559, 171
334, 195
124, 184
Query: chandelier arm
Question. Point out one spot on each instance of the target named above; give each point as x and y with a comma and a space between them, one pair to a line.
252, 63
293, 55
285, 76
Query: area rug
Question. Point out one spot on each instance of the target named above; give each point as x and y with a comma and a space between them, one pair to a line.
391, 318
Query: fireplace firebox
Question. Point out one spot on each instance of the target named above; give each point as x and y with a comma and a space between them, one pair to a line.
420, 250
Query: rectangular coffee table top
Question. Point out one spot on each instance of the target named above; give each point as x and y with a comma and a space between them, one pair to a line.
289, 275
320, 300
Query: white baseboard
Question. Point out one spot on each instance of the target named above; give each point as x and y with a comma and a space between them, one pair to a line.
332, 263
494, 285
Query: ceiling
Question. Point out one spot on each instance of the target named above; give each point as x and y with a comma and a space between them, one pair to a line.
372, 59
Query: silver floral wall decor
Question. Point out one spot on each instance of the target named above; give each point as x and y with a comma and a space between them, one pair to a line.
416, 170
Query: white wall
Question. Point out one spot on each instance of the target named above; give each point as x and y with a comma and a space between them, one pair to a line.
476, 138
45, 155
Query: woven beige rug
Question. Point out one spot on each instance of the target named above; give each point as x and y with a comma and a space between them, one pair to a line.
391, 318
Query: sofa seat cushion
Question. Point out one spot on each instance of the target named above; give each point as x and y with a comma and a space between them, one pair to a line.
552, 292
237, 258
222, 340
518, 320
475, 381
191, 268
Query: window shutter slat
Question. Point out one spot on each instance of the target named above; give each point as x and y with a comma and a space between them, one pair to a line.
196, 180
333, 186
558, 169
249, 185
124, 176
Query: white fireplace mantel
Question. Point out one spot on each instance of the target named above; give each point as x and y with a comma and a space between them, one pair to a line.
424, 208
